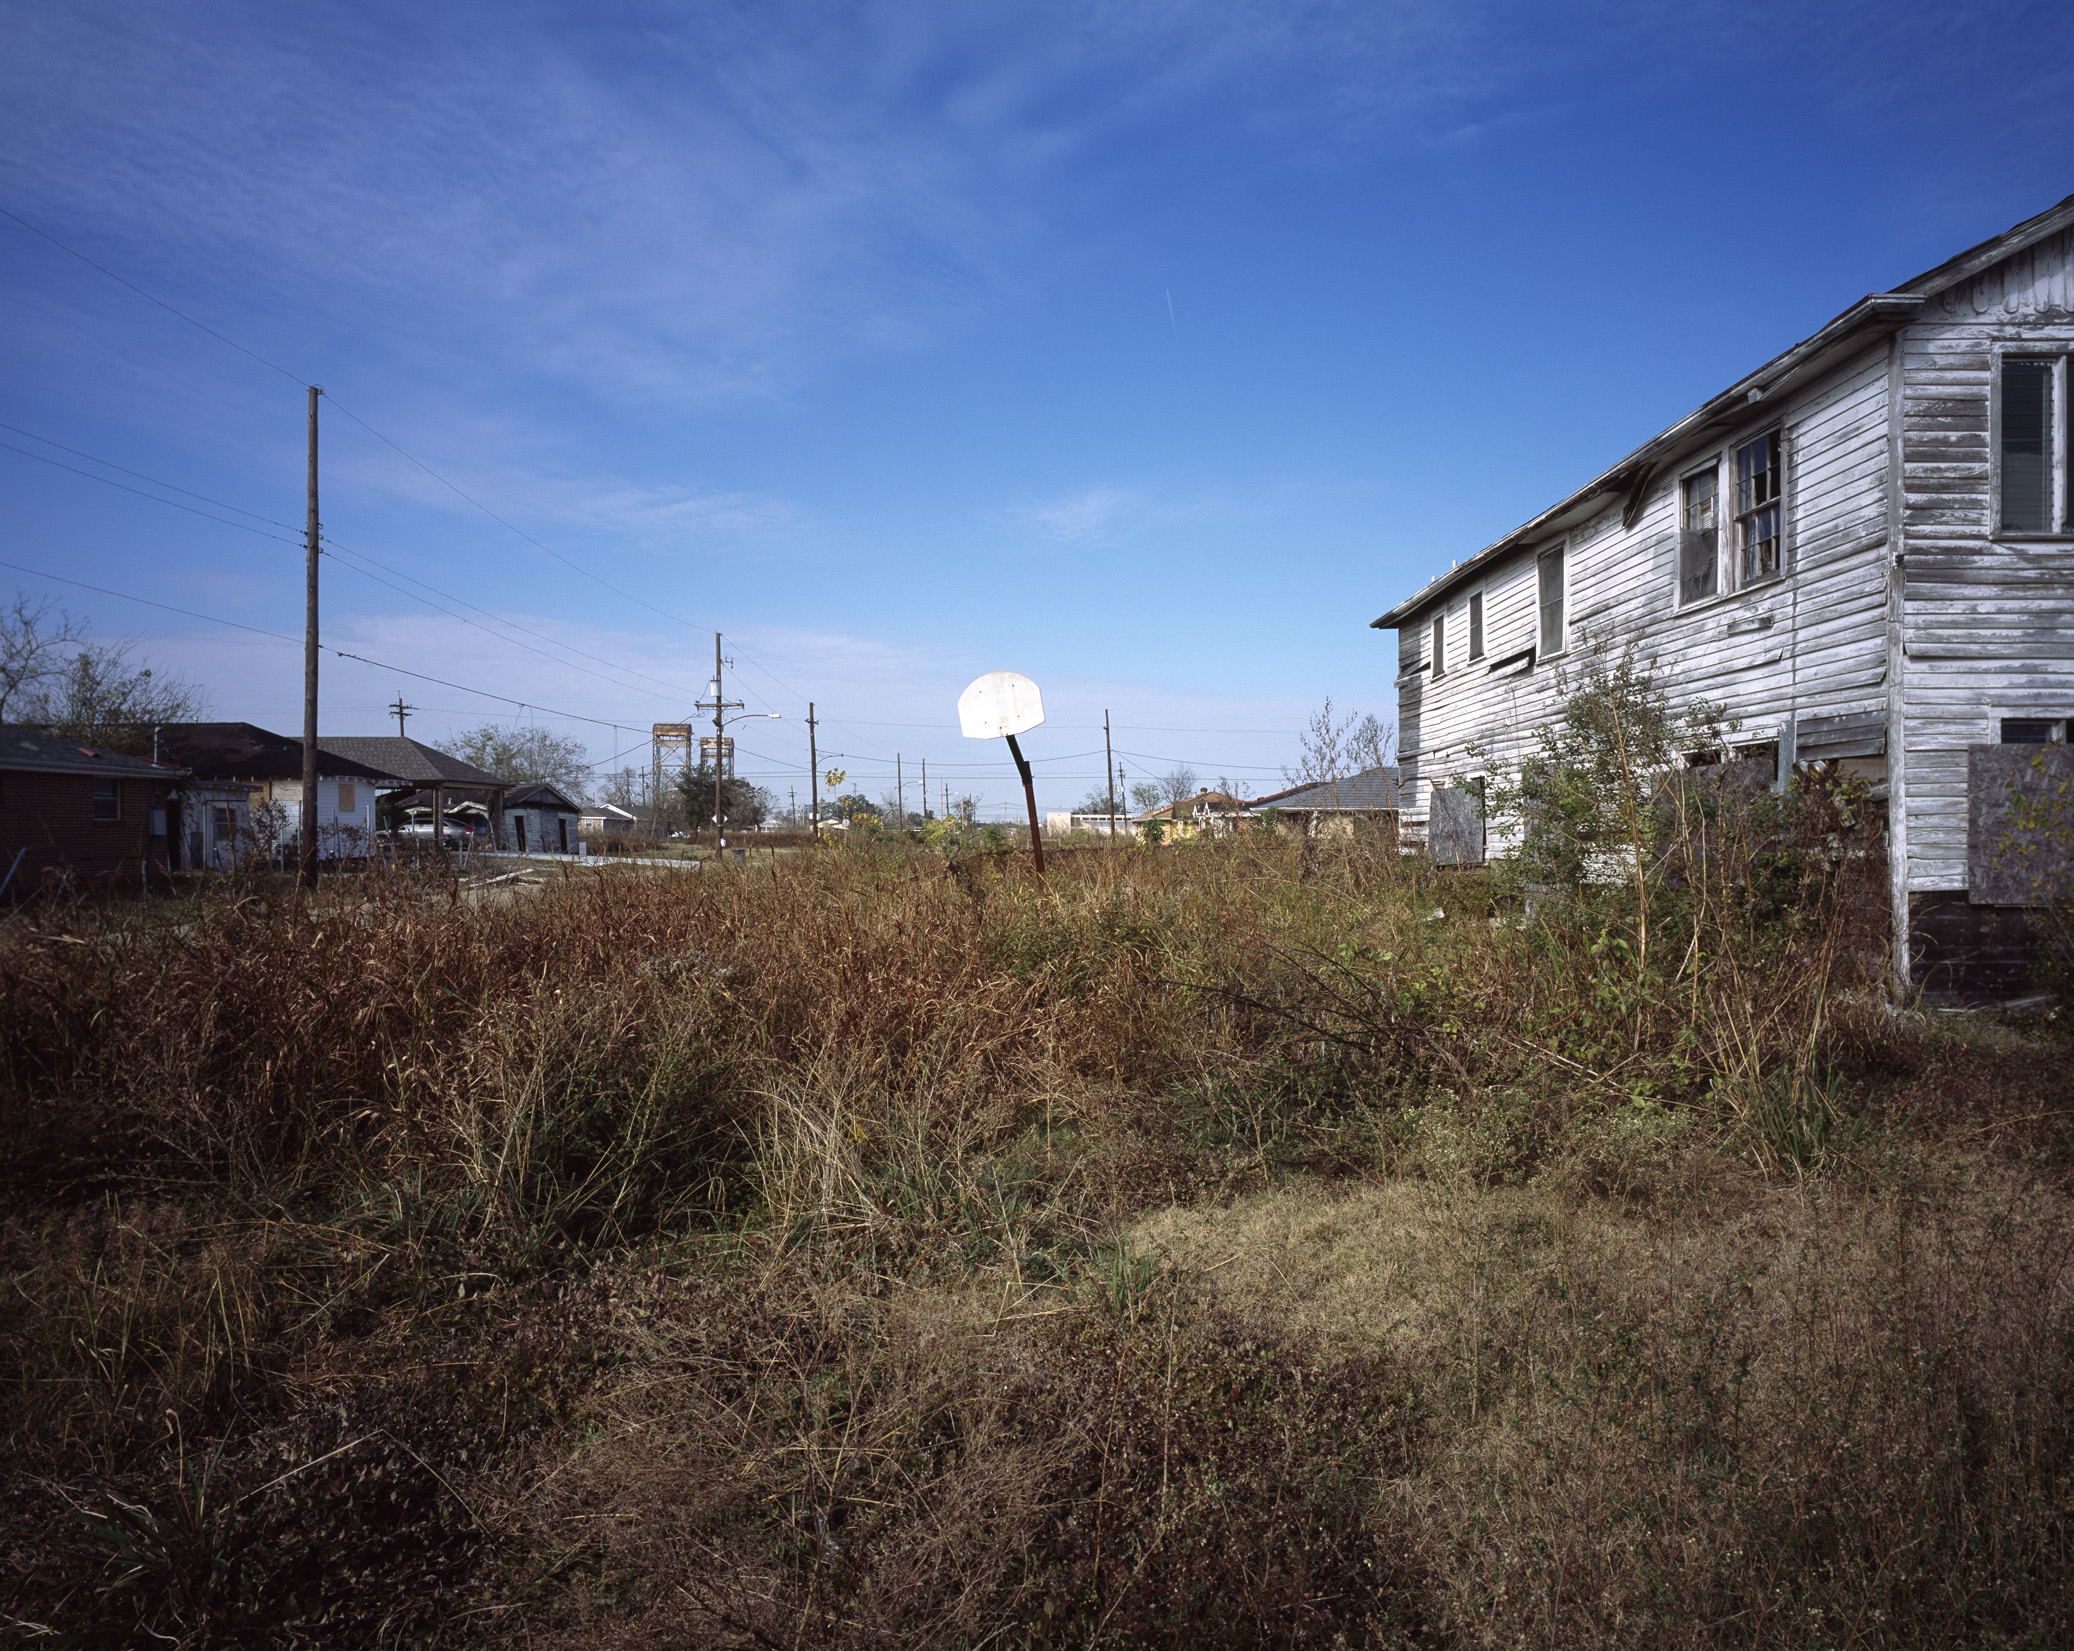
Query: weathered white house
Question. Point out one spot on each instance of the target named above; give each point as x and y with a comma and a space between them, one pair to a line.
1864, 550
540, 818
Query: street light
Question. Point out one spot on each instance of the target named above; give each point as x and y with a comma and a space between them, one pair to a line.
719, 759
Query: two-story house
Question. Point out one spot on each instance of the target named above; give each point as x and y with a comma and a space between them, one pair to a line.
1864, 550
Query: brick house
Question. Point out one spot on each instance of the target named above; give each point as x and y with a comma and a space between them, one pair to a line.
77, 810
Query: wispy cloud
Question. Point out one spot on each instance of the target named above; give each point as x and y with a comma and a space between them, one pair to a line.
1091, 516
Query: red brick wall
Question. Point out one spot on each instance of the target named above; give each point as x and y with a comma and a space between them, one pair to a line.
52, 817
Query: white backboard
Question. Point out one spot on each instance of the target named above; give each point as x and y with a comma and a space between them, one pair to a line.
999, 703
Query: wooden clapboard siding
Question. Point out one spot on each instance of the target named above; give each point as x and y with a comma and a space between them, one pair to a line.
1987, 625
1812, 642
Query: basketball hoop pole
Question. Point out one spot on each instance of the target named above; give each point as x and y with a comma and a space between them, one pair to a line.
1030, 797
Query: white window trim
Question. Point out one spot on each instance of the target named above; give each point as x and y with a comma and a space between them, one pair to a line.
1723, 584
2059, 353
1557, 547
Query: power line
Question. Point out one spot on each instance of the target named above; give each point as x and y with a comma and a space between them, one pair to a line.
95, 458
109, 481
283, 636
160, 302
668, 687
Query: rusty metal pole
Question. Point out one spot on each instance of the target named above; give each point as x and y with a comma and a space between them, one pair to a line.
1030, 797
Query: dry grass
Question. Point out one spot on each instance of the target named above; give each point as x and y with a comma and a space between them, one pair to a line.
1209, 1245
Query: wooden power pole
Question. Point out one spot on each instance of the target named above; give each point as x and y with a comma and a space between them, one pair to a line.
813, 770
308, 869
1109, 768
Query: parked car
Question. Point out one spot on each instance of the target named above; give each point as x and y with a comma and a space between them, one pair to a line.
448, 834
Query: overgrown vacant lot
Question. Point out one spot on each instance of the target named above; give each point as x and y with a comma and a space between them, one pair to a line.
1230, 1244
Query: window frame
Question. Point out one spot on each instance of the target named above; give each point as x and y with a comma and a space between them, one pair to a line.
1437, 645
1711, 470
1733, 453
2059, 425
1558, 554
112, 798
1475, 622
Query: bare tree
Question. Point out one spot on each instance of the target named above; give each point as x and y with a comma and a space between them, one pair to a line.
1337, 748
1178, 784
517, 754
52, 677
33, 647
623, 787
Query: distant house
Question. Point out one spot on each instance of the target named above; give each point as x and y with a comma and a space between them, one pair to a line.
77, 809
415, 764
541, 818
1206, 811
1338, 807
241, 774
1863, 551
609, 820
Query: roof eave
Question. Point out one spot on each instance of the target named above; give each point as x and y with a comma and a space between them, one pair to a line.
1874, 316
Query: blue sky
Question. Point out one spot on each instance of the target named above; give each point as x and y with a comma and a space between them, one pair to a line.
1151, 350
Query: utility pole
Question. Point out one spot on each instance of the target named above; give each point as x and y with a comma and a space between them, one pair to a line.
899, 795
1109, 767
721, 706
925, 791
813, 770
308, 870
402, 712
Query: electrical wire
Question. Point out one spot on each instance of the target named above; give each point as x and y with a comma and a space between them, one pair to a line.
160, 302
95, 458
109, 481
283, 636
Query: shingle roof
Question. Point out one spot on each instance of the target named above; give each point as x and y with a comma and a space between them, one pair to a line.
408, 759
39, 751
1372, 788
539, 794
242, 751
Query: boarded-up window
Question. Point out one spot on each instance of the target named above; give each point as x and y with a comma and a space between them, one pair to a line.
2017, 823
1551, 568
348, 797
1439, 644
1454, 830
1759, 507
2027, 446
1476, 625
107, 799
1699, 548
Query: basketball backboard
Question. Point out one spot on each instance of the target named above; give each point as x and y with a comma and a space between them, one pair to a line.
999, 704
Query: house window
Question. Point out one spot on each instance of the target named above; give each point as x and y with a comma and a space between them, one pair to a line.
1439, 644
107, 798
1551, 568
2032, 409
2033, 730
1759, 508
1699, 538
1476, 625
348, 798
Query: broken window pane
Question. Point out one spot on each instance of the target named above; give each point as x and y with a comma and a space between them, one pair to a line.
1476, 625
1758, 518
1698, 539
2027, 447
